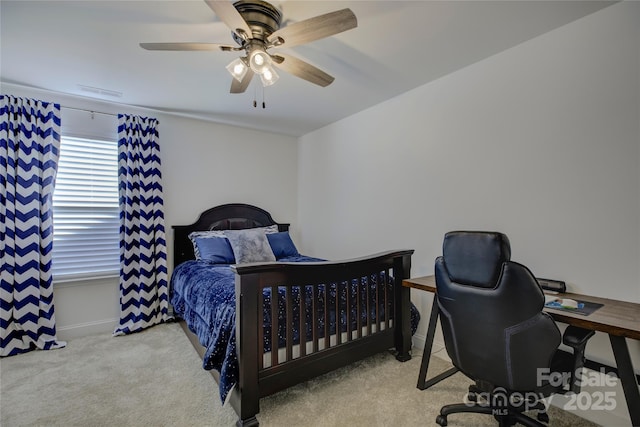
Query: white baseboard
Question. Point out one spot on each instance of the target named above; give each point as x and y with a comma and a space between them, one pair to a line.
417, 341
105, 326
436, 349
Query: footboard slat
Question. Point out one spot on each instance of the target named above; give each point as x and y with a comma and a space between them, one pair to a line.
387, 305
326, 315
359, 305
368, 292
315, 321
289, 324
380, 286
261, 335
303, 323
337, 314
274, 325
349, 316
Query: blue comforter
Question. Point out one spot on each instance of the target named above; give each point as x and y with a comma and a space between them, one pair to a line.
203, 294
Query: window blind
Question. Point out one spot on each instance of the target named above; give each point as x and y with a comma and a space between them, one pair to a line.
86, 223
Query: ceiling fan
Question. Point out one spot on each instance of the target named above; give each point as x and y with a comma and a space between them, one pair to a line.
255, 27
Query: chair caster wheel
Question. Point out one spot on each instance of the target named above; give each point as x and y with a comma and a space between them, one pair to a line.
441, 420
543, 417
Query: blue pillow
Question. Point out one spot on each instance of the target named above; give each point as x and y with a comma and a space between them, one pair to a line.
216, 250
196, 234
282, 245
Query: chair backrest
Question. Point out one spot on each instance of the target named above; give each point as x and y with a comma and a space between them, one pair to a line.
491, 312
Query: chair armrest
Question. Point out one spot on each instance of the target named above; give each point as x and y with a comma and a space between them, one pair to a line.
576, 337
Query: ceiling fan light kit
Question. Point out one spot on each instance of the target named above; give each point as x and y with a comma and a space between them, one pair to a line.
255, 27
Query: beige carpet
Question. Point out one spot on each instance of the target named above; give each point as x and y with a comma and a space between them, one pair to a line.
155, 378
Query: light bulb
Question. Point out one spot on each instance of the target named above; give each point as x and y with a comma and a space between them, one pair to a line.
238, 69
259, 61
269, 76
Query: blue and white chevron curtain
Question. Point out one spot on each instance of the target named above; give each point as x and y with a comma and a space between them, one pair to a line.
144, 297
29, 150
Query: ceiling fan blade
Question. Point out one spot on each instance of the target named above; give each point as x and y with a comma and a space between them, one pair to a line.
314, 28
185, 46
230, 16
302, 69
240, 87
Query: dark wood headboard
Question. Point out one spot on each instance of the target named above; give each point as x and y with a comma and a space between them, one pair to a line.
232, 216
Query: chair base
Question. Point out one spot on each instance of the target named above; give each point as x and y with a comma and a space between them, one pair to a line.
505, 417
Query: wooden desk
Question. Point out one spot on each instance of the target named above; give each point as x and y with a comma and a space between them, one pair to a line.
618, 319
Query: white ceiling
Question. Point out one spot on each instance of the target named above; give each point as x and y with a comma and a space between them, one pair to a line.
398, 45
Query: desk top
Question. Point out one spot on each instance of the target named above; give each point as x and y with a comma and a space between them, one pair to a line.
615, 317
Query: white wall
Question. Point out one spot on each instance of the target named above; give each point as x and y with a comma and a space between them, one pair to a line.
540, 142
204, 164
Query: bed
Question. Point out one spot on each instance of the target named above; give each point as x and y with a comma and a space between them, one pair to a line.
264, 326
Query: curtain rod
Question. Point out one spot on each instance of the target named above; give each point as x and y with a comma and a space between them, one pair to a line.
93, 112
89, 111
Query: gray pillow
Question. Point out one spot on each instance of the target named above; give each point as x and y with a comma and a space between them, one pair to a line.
250, 245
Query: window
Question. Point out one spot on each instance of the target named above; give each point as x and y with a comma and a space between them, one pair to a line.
86, 236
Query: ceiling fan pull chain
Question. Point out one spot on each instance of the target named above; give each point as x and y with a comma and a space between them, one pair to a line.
255, 95
264, 105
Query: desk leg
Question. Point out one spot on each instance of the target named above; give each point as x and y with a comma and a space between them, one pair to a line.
627, 376
426, 355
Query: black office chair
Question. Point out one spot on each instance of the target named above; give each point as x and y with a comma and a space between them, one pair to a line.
496, 333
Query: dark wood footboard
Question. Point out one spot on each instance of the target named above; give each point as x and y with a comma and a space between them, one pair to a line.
372, 316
